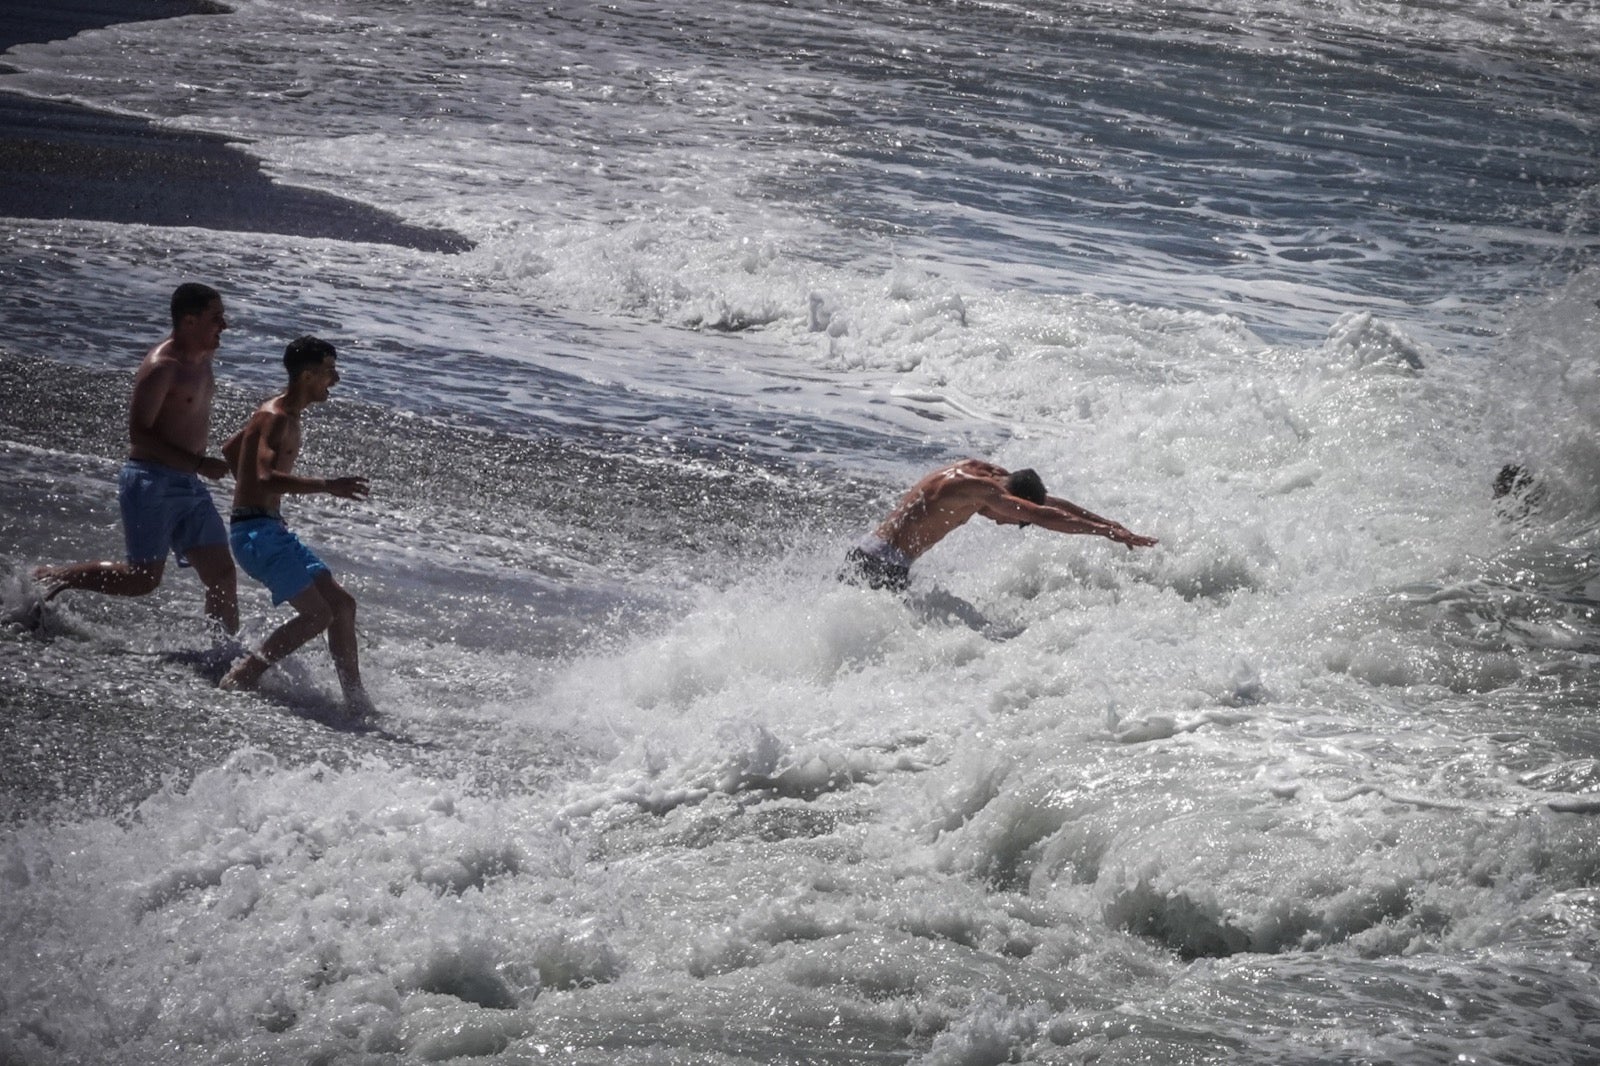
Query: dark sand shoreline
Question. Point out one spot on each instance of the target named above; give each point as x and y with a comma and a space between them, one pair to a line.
26, 23
65, 161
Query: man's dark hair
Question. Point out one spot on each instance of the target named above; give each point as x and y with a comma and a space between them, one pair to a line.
1026, 484
1512, 479
191, 298
304, 353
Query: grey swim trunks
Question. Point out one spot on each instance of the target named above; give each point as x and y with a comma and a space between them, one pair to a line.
877, 564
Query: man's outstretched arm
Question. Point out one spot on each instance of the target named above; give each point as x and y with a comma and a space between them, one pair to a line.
1124, 534
1008, 508
1072, 508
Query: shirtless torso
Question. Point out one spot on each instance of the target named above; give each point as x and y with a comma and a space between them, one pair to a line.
169, 415
939, 503
263, 452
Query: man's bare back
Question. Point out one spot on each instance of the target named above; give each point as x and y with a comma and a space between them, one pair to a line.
950, 497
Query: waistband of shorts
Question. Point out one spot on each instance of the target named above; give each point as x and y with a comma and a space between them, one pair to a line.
150, 466
253, 514
881, 550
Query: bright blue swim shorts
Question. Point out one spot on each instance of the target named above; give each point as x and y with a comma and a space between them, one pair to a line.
165, 510
268, 552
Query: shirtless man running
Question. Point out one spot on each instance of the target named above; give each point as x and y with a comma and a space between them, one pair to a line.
263, 455
165, 506
947, 498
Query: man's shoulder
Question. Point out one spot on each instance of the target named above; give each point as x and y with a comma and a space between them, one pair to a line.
165, 359
160, 354
965, 489
158, 369
270, 413
972, 475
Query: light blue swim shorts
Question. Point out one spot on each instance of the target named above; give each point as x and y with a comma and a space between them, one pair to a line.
268, 552
165, 510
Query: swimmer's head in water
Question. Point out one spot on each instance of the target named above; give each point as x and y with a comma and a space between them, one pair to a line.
1027, 485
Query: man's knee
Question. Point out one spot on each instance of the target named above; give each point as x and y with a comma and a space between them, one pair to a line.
314, 608
143, 578
224, 585
340, 602
215, 568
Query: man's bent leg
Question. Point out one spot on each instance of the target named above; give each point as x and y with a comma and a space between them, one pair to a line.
111, 579
214, 565
312, 615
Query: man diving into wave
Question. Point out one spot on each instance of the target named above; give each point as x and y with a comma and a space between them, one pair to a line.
948, 498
